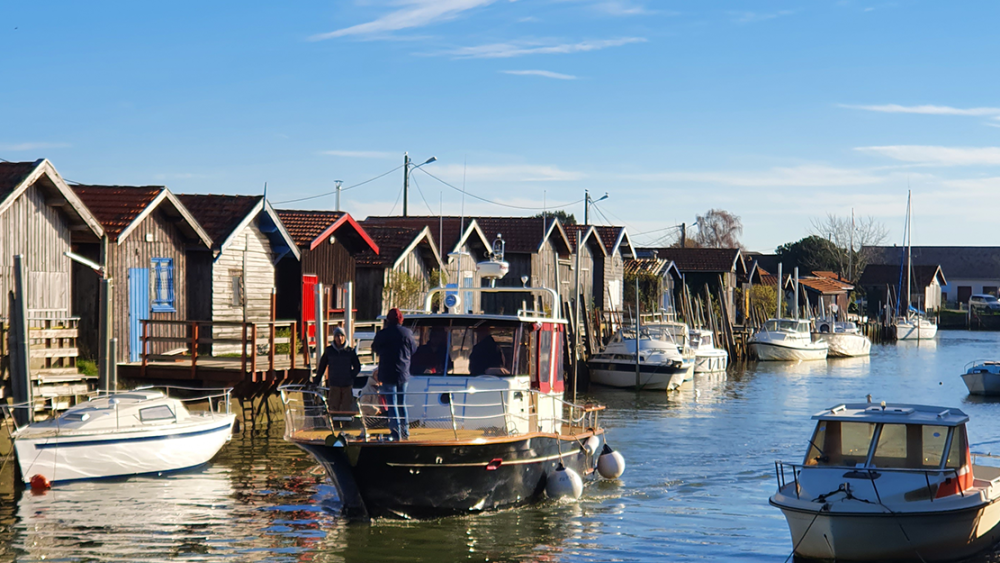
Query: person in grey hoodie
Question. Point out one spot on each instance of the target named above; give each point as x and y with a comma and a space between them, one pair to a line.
340, 365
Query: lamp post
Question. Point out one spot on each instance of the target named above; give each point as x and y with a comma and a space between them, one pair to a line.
407, 166
338, 183
588, 202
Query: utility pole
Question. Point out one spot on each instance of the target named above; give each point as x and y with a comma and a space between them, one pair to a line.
338, 183
684, 235
586, 207
406, 182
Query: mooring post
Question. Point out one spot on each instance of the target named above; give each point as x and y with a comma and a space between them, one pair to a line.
113, 365
20, 349
104, 358
349, 312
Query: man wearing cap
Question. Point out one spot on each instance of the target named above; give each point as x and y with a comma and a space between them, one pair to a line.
340, 365
395, 345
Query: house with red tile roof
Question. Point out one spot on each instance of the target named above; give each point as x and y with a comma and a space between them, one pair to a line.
148, 233
41, 218
462, 244
820, 290
234, 280
329, 243
400, 274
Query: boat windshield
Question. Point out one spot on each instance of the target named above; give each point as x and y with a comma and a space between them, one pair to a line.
480, 348
786, 325
901, 446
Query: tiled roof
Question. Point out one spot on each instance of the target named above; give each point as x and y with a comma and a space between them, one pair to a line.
824, 285
574, 231
889, 274
305, 226
609, 236
655, 266
522, 234
696, 259
12, 174
392, 241
449, 229
116, 207
218, 215
957, 262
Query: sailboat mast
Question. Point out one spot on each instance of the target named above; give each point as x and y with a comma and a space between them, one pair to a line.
909, 256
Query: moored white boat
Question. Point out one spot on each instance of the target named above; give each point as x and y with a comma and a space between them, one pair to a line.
708, 358
915, 327
889, 482
786, 340
677, 333
137, 432
661, 366
843, 338
982, 377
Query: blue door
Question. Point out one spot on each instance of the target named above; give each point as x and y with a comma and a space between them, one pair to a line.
138, 309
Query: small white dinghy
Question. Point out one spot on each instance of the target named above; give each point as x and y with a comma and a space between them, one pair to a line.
128, 433
844, 338
889, 482
708, 358
982, 377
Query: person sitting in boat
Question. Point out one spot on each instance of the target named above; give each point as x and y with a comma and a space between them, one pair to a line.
395, 346
486, 356
430, 357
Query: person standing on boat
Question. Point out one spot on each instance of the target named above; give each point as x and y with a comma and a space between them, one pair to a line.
340, 365
395, 345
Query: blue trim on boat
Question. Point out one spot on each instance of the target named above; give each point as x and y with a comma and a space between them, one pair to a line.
125, 476
61, 444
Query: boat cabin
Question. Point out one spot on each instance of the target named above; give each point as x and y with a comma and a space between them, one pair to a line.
926, 445
786, 325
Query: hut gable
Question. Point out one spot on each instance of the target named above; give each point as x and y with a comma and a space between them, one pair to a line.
402, 250
121, 209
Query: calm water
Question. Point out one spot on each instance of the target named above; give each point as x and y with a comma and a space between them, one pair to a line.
700, 470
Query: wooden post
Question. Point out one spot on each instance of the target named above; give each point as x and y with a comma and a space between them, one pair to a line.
638, 380
292, 331
104, 358
320, 328
349, 312
113, 367
243, 351
270, 346
142, 344
20, 352
253, 349
194, 349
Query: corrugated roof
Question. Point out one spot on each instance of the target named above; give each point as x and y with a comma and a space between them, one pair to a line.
219, 215
697, 259
116, 207
957, 262
12, 174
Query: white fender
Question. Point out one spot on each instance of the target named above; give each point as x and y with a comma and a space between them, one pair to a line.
563, 483
611, 464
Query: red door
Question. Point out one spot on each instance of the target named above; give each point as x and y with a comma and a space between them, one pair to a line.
309, 306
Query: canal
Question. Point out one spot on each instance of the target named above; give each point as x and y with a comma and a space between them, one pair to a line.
700, 470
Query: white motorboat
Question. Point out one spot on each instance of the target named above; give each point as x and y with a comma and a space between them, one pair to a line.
707, 358
915, 327
787, 340
844, 338
889, 482
661, 366
137, 432
674, 332
982, 377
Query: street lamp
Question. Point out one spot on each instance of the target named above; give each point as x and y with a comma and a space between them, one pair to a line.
589, 201
407, 166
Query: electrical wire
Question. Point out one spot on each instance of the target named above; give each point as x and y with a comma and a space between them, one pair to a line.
472, 195
421, 192
398, 197
359, 184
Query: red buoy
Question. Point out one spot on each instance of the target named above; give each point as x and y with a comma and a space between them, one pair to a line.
39, 484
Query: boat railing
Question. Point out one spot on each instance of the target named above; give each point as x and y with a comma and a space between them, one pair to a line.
8, 411
871, 473
219, 398
305, 409
981, 363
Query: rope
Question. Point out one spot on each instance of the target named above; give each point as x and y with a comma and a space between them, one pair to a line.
825, 507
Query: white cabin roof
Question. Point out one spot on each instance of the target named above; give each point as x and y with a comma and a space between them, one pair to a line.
894, 413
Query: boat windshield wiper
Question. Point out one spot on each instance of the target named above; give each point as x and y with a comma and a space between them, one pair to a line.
822, 455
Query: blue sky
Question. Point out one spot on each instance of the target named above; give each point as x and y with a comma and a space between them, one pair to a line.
779, 112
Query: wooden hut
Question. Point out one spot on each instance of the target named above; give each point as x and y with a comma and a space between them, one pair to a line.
329, 243
588, 261
820, 286
462, 244
41, 218
658, 279
619, 248
706, 266
538, 250
881, 284
149, 232
400, 274
235, 281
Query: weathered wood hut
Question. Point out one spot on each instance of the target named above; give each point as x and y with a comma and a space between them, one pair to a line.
881, 284
820, 286
619, 248
462, 244
149, 232
41, 218
329, 243
657, 278
235, 280
706, 266
537, 249
588, 261
400, 274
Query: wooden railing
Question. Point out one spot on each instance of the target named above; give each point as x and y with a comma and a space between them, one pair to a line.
198, 335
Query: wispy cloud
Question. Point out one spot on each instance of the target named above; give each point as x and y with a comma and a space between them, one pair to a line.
33, 146
505, 173
361, 154
415, 13
621, 8
545, 73
754, 17
522, 48
926, 109
940, 156
796, 176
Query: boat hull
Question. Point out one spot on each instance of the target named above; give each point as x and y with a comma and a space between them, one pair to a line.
652, 377
96, 456
873, 536
924, 331
846, 345
982, 383
766, 352
712, 362
433, 479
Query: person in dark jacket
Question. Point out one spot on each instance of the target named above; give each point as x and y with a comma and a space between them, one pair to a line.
340, 365
395, 345
486, 356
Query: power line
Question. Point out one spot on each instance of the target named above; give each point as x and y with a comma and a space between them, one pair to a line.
398, 196
421, 192
472, 195
359, 184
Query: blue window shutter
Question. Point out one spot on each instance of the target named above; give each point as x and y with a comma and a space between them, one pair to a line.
163, 285
170, 282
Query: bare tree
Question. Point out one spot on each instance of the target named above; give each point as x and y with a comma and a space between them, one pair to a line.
718, 228
849, 239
